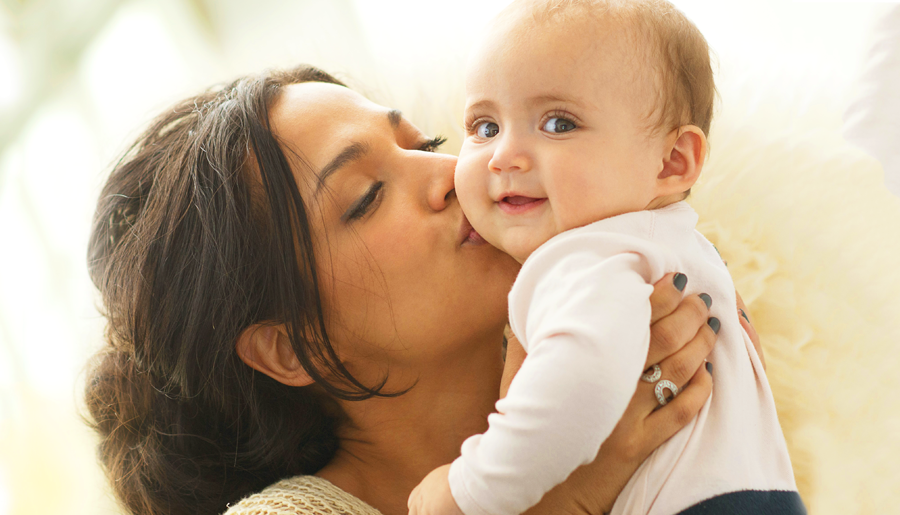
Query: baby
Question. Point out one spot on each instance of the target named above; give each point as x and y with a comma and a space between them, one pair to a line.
586, 128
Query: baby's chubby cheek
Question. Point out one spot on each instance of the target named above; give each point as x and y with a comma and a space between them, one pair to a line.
472, 182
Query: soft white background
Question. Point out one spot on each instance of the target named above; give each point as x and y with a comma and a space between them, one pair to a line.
79, 78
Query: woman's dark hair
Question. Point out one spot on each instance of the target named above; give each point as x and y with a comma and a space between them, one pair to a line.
199, 233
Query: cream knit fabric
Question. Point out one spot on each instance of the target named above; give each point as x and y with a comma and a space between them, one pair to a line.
302, 495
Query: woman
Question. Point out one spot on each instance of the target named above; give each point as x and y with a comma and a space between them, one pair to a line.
291, 288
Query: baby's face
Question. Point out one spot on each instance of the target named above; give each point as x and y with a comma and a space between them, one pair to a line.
557, 133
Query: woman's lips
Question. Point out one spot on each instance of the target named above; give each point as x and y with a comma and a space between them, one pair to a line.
468, 235
474, 238
517, 204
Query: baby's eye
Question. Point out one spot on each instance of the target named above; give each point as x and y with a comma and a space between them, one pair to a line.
487, 130
559, 125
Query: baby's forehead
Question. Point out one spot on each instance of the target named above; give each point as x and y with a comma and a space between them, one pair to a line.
601, 41
593, 32
592, 61
643, 50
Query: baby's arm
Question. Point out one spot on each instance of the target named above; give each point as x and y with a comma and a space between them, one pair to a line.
585, 321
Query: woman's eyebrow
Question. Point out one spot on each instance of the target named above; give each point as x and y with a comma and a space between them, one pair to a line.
394, 117
352, 152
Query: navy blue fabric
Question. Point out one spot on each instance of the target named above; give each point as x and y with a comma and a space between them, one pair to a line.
750, 502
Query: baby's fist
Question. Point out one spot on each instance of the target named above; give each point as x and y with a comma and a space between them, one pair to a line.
432, 496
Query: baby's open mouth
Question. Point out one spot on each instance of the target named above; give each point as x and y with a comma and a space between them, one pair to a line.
517, 204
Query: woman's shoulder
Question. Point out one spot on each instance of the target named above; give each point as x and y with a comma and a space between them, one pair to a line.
302, 495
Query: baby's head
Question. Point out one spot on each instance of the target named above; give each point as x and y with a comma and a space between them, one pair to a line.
579, 110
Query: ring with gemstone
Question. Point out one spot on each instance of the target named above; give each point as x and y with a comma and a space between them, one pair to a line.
660, 390
653, 376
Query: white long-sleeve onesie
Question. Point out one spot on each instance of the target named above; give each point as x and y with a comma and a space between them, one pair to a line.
580, 307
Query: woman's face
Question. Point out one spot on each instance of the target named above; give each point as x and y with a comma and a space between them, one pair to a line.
405, 283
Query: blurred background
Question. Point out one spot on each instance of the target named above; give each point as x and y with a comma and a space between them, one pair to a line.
80, 78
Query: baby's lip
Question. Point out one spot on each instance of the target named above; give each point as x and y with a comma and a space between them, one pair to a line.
513, 194
515, 204
518, 200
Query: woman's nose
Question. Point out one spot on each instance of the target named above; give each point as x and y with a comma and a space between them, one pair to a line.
510, 155
440, 187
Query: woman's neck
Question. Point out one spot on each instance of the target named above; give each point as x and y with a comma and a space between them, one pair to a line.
390, 444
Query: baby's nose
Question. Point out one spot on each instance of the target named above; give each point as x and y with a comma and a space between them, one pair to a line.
510, 155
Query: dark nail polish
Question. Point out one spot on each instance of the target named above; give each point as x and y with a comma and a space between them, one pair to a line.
743, 314
680, 281
715, 324
709, 367
706, 300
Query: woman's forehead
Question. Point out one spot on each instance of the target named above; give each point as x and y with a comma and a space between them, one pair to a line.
317, 119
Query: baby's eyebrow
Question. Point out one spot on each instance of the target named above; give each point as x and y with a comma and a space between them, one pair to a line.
550, 98
481, 104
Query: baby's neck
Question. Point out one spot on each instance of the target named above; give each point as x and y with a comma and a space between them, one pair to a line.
668, 200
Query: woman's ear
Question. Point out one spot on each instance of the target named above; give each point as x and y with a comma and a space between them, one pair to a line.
686, 153
267, 349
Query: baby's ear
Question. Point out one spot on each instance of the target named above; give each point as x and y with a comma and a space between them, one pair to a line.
267, 349
686, 149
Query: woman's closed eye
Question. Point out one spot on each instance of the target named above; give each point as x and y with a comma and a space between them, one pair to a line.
365, 203
372, 196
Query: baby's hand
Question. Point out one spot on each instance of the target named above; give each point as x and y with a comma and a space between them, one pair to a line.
432, 496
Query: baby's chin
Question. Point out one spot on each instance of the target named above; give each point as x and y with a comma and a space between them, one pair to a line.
518, 249
518, 242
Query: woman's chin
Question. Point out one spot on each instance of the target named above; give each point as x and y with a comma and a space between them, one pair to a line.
495, 283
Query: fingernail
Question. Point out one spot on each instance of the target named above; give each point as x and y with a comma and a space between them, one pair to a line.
714, 324
709, 367
706, 300
743, 314
680, 281
720, 255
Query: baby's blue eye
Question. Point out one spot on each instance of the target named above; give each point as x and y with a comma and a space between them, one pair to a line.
559, 125
487, 130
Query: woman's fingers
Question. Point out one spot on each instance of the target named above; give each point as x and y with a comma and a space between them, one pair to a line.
668, 420
680, 367
669, 334
666, 296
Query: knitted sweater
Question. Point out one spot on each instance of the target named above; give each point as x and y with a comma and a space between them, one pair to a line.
302, 495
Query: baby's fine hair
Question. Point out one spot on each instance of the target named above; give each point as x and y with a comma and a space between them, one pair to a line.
676, 50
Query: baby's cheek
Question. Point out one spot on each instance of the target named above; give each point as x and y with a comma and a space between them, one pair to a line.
469, 164
471, 181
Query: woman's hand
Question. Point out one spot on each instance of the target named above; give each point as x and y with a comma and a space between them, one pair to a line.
680, 340
433, 496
